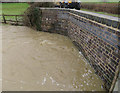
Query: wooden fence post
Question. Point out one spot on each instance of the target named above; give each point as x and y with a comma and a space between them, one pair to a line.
16, 19
4, 18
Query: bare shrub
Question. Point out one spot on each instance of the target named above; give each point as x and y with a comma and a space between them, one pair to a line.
112, 8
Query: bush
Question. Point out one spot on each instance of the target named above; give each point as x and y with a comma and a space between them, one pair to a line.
112, 8
32, 18
33, 15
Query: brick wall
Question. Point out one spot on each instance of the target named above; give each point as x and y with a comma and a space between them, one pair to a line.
96, 37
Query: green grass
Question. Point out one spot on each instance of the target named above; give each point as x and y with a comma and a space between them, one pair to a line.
14, 8
115, 15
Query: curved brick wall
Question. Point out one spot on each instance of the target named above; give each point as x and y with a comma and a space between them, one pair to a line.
97, 37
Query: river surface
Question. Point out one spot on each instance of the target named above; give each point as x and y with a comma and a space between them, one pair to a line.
37, 61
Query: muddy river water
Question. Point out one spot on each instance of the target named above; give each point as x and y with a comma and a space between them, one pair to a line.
37, 61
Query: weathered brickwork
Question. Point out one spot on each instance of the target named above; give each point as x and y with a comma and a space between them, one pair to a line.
99, 43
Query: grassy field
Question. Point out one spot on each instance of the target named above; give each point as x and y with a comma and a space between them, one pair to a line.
14, 8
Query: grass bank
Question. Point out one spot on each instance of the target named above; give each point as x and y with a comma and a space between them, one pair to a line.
109, 8
115, 15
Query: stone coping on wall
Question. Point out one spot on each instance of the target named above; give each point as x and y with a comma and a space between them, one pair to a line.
100, 18
100, 15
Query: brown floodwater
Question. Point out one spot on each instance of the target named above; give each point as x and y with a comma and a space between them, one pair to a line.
38, 61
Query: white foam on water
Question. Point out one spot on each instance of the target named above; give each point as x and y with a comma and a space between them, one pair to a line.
44, 80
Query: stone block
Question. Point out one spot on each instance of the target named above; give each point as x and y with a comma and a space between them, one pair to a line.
115, 24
